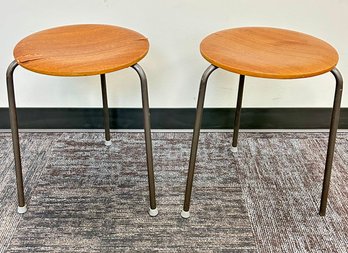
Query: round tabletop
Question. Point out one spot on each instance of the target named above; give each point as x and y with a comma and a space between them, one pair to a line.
81, 50
269, 53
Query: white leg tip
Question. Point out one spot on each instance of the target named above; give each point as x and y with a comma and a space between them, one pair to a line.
108, 143
234, 149
22, 209
185, 214
153, 212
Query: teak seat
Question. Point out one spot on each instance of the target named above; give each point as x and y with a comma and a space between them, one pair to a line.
267, 53
82, 50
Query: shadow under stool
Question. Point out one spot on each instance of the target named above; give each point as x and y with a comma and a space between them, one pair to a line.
266, 53
81, 50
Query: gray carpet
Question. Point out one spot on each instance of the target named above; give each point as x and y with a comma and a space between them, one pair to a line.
85, 197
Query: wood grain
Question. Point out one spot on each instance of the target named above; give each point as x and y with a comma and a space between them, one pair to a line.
269, 53
81, 50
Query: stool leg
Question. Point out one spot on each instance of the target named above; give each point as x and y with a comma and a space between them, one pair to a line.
332, 139
15, 138
106, 110
237, 113
148, 142
199, 112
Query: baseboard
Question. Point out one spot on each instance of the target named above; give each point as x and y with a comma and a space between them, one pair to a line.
178, 118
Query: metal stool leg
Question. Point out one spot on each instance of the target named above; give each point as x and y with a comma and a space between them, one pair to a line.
106, 110
237, 113
15, 138
332, 139
199, 112
148, 142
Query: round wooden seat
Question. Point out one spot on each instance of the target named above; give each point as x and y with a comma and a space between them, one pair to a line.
81, 50
269, 53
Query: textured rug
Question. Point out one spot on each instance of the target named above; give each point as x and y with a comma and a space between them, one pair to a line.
85, 197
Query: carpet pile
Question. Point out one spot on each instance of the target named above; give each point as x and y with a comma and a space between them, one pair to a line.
85, 197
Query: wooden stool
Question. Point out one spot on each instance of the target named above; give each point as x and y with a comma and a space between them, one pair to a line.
266, 53
82, 50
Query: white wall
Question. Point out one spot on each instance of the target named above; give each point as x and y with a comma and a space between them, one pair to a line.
174, 65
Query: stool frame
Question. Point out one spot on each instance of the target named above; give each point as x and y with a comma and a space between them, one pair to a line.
199, 112
147, 129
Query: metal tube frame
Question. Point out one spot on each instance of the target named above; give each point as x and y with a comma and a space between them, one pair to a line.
105, 109
238, 112
195, 138
15, 136
199, 112
148, 141
16, 144
335, 117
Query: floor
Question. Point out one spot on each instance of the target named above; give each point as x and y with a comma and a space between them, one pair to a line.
85, 197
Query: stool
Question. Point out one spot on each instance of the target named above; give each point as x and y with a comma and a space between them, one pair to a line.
266, 53
81, 50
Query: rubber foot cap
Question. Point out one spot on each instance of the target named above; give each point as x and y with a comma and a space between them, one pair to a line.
22, 209
185, 214
153, 212
108, 143
234, 149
